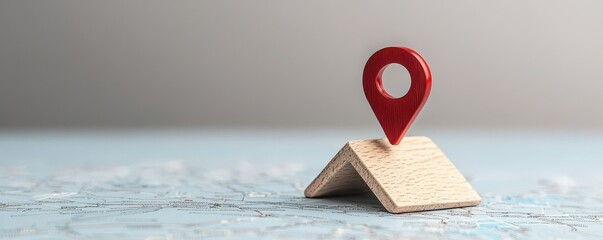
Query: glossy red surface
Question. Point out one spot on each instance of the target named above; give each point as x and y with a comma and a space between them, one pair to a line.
396, 114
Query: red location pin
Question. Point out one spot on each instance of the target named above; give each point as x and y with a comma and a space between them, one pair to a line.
396, 114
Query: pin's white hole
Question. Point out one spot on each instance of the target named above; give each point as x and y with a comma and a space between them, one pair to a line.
395, 80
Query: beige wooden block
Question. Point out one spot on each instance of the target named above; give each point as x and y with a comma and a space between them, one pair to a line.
414, 175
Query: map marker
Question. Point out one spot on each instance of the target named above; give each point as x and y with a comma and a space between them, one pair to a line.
396, 114
406, 175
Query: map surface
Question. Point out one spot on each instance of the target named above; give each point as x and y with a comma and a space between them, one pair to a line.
206, 185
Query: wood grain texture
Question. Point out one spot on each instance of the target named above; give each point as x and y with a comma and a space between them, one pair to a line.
412, 176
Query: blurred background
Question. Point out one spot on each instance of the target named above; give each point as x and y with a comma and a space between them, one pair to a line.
295, 64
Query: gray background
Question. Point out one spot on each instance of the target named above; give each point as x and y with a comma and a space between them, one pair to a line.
223, 63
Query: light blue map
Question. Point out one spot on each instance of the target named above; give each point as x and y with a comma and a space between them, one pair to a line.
210, 184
